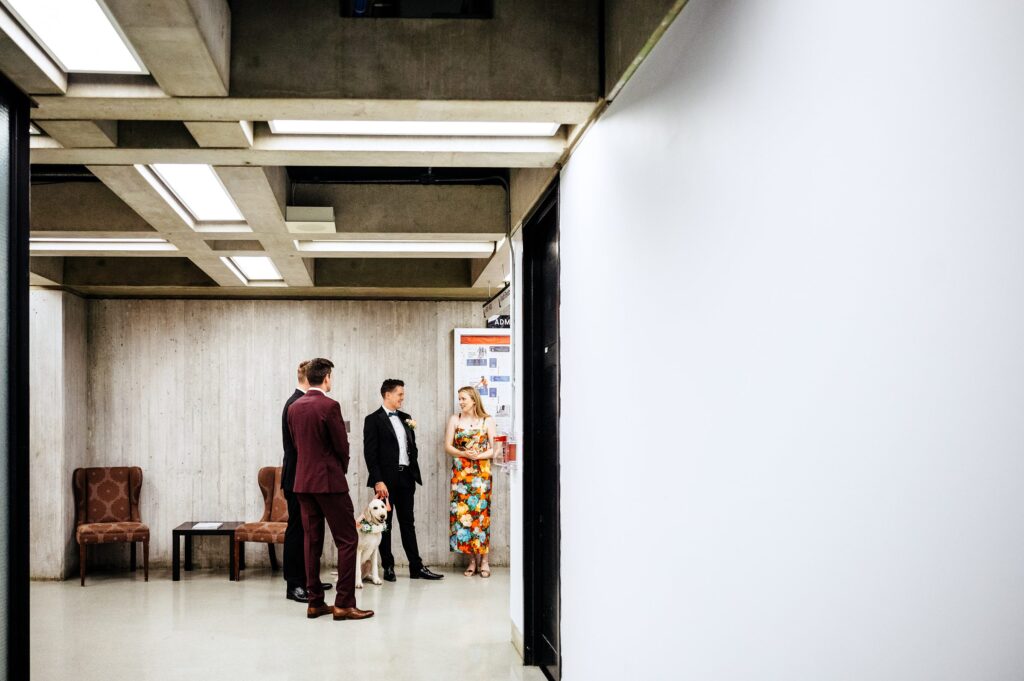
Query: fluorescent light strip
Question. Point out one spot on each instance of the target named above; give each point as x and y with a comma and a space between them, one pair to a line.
199, 190
481, 249
100, 239
415, 128
79, 34
98, 244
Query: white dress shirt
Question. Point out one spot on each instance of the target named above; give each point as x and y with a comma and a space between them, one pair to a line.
403, 443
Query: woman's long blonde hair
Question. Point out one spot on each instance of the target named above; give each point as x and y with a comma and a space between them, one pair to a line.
477, 402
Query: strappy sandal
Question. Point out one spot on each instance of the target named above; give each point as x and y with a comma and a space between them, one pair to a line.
485, 571
470, 571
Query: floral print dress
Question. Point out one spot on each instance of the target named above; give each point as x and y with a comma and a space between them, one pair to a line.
471, 495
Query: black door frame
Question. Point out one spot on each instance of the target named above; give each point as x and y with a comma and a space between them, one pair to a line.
533, 560
15, 105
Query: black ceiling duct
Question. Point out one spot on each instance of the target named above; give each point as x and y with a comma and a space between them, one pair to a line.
390, 175
417, 9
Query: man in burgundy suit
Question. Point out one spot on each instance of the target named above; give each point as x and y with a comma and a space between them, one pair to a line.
318, 431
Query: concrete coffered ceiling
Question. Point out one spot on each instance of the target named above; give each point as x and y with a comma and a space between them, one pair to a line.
216, 74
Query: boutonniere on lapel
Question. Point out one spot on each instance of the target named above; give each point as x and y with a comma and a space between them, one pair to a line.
410, 423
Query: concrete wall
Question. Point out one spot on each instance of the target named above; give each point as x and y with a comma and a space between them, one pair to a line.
192, 392
376, 210
531, 50
812, 212
527, 185
628, 32
57, 376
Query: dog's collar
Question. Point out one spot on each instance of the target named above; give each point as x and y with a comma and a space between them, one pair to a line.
366, 527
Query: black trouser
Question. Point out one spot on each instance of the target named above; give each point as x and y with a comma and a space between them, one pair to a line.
294, 545
401, 488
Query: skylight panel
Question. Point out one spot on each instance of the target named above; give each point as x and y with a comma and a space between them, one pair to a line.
80, 34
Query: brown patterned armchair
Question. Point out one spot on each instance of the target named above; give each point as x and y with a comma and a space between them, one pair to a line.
270, 528
107, 511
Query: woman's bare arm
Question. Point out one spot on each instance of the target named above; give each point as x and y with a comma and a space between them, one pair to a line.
489, 452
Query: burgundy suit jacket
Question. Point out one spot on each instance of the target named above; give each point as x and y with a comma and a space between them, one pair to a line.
321, 442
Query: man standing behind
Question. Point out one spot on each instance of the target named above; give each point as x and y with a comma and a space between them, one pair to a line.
294, 546
389, 447
321, 442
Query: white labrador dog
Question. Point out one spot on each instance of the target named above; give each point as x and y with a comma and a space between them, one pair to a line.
370, 525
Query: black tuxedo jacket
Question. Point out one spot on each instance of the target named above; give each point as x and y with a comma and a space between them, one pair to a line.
290, 453
380, 448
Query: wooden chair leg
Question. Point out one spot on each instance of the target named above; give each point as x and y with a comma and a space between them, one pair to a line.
273, 556
81, 562
145, 558
237, 559
131, 556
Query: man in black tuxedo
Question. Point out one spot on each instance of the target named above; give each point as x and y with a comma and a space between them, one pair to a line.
294, 544
389, 447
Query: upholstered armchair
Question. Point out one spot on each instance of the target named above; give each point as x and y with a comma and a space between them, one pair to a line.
270, 528
107, 511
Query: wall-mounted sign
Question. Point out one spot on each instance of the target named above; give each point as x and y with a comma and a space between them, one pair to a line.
499, 305
483, 361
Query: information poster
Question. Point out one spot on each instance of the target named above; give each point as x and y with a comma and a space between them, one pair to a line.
483, 360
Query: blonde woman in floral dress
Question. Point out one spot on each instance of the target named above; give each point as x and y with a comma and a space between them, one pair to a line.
469, 439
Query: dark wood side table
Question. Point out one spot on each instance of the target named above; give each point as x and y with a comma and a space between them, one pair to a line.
187, 530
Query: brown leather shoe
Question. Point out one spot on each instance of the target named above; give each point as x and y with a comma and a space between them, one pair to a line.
314, 611
351, 613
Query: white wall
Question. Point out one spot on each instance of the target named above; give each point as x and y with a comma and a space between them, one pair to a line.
793, 317
515, 476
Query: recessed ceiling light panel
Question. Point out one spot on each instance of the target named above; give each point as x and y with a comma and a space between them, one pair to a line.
200, 190
254, 269
80, 34
415, 128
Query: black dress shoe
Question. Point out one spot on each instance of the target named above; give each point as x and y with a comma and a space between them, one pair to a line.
389, 574
325, 586
298, 594
424, 573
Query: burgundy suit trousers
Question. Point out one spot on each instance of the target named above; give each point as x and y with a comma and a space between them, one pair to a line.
337, 510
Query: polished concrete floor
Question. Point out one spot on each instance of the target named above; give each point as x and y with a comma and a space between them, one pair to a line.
205, 627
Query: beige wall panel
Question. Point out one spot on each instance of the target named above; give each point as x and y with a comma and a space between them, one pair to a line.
46, 424
192, 391
74, 377
57, 422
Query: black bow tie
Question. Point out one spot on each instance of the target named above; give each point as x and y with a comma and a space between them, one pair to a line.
392, 413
